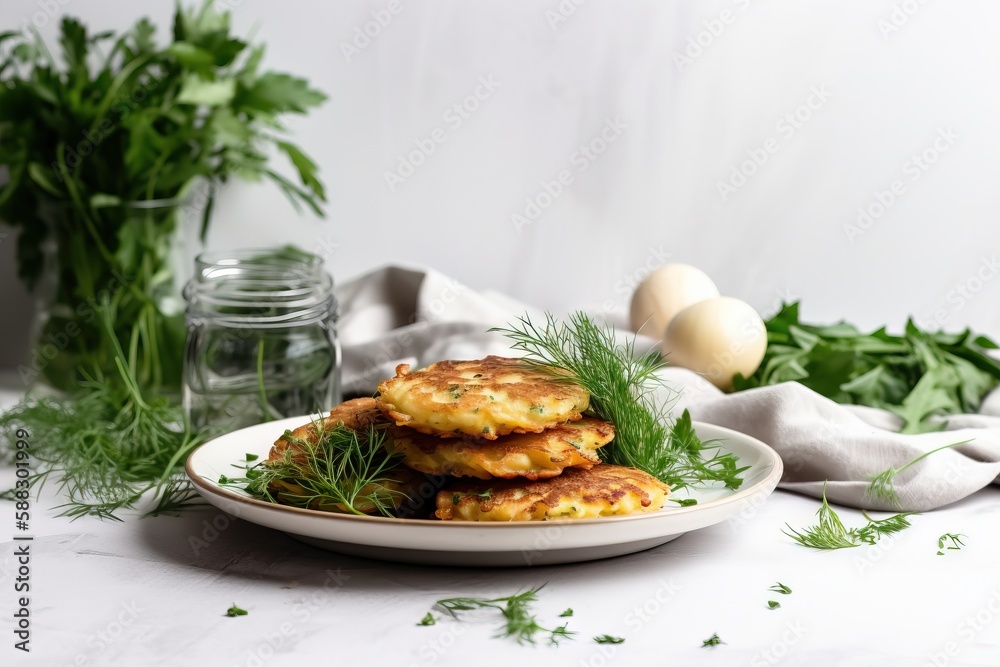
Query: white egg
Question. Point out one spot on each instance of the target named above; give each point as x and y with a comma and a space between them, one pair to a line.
667, 291
719, 338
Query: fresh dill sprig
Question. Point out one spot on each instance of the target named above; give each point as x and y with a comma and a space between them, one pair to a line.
712, 641
342, 470
608, 639
519, 622
882, 486
428, 619
109, 445
831, 533
956, 542
780, 588
567, 613
622, 386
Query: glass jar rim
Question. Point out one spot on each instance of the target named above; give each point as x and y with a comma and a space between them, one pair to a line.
262, 257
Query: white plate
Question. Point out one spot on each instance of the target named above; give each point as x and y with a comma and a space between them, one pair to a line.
486, 543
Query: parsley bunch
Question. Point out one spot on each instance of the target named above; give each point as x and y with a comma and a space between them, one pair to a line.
916, 375
104, 141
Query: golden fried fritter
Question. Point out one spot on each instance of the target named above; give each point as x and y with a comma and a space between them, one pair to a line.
358, 414
577, 493
486, 398
531, 455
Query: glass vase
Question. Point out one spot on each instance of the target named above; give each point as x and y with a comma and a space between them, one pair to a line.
109, 288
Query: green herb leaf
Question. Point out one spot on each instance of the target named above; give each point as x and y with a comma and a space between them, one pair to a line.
882, 486
712, 641
198, 91
771, 604
251, 457
236, 611
622, 386
917, 375
340, 470
608, 639
780, 588
567, 613
519, 622
830, 532
953, 540
428, 619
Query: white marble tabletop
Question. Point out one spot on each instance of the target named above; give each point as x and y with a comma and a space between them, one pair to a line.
154, 592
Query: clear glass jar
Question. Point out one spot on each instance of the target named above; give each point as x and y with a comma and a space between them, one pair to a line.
262, 339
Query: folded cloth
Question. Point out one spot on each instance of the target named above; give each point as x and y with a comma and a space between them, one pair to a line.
400, 315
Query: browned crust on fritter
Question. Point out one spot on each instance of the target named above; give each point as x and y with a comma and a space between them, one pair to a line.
484, 459
534, 387
605, 482
356, 414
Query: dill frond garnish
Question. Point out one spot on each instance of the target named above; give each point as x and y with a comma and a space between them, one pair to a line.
342, 470
712, 641
882, 486
831, 533
519, 621
623, 390
956, 543
109, 445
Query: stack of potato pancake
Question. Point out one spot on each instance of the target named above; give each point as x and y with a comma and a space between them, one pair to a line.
514, 436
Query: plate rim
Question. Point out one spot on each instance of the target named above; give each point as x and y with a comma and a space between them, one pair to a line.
774, 474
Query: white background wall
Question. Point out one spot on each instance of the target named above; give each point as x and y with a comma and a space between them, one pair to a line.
895, 80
